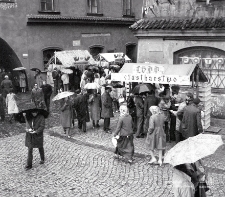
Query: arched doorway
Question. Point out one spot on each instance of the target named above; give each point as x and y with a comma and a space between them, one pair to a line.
9, 61
214, 71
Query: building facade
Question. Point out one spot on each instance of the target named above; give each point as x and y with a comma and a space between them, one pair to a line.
31, 31
186, 31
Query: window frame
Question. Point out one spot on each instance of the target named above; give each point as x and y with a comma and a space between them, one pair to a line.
127, 5
98, 7
7, 1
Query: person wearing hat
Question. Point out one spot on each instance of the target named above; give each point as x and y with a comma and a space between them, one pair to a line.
35, 125
38, 78
190, 118
6, 85
107, 111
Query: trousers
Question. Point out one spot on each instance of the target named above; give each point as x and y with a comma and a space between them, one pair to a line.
30, 155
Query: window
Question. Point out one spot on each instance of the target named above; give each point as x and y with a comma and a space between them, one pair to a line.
47, 5
95, 50
127, 8
94, 7
7, 1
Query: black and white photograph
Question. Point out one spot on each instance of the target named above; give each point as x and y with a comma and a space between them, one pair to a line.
112, 98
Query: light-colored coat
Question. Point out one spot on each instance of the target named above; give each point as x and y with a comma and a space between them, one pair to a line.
11, 104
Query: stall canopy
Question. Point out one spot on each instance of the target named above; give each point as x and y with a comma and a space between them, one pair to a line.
181, 74
113, 58
72, 58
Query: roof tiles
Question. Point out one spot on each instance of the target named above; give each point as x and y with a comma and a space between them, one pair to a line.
179, 23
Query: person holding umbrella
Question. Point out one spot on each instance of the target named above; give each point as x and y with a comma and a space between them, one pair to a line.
22, 81
35, 125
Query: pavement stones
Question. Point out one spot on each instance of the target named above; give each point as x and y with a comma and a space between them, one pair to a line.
77, 170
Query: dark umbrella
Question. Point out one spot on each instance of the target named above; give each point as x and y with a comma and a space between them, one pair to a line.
35, 69
20, 118
142, 88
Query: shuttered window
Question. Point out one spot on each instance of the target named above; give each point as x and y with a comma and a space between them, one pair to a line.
127, 5
47, 5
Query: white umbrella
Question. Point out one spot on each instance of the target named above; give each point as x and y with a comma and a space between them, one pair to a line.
62, 95
91, 86
193, 149
67, 71
19, 68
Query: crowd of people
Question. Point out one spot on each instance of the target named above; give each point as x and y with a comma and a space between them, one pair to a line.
160, 115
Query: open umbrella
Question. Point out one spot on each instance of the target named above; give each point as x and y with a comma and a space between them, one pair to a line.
141, 88
67, 71
91, 86
20, 118
19, 68
62, 95
193, 149
35, 69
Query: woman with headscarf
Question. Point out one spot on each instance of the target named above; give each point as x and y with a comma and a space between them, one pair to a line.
38, 78
156, 137
124, 135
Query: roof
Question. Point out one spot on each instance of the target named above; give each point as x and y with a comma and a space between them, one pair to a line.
179, 23
67, 57
109, 57
78, 19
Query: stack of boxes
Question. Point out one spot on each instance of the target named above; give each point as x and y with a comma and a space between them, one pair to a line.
205, 97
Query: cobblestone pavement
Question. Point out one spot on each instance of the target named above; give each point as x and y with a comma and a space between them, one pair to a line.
77, 170
84, 166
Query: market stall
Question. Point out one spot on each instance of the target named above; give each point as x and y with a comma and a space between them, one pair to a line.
190, 76
71, 58
109, 59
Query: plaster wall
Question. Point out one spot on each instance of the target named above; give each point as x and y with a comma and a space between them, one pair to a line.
161, 51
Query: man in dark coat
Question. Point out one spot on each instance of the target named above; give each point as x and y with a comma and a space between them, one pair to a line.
191, 120
150, 100
34, 136
2, 108
47, 91
81, 107
6, 86
56, 77
107, 111
140, 115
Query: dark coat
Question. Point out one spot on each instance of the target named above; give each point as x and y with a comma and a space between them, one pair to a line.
36, 140
107, 111
81, 107
150, 100
191, 122
124, 126
47, 90
95, 107
139, 106
2, 105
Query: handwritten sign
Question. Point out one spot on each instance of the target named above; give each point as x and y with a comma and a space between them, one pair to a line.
150, 78
218, 106
148, 69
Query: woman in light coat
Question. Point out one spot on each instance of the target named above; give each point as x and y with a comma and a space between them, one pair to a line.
22, 81
11, 105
